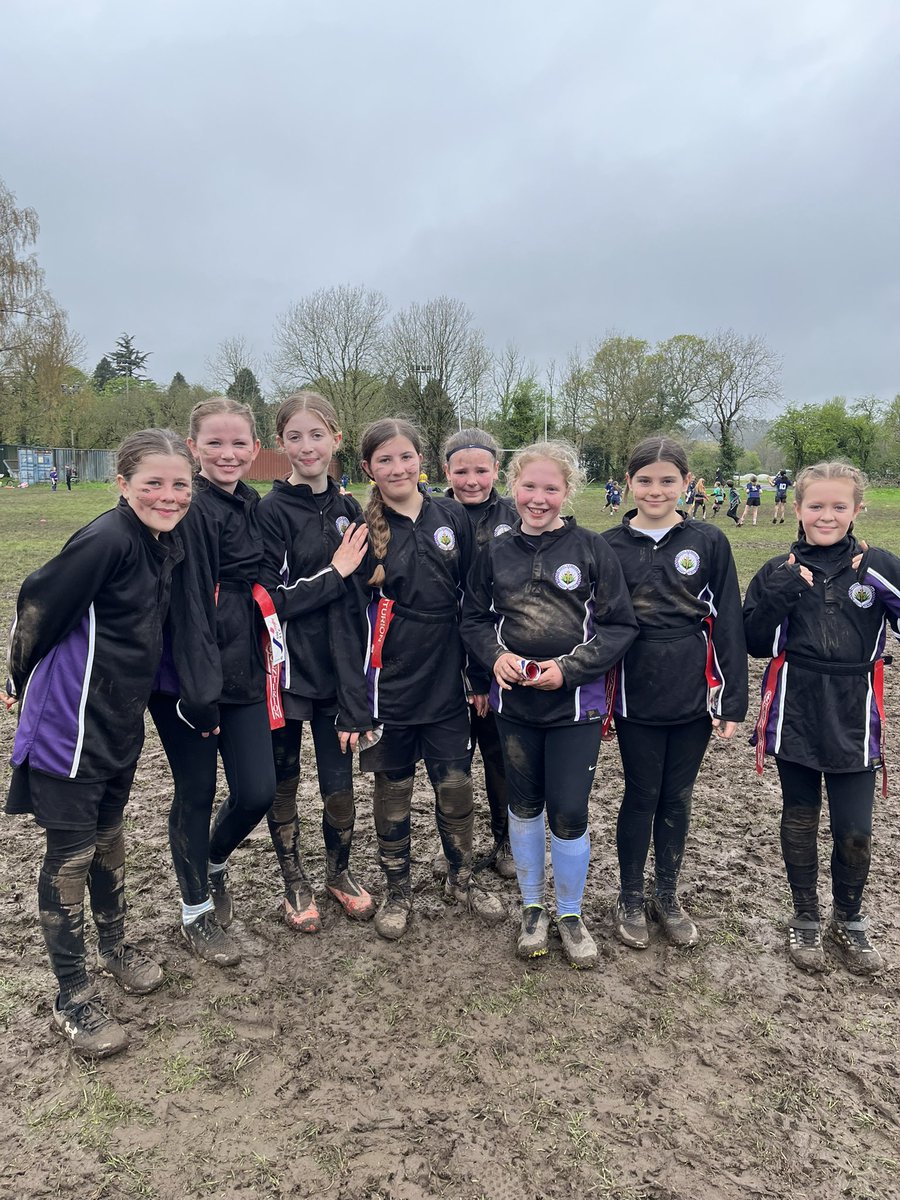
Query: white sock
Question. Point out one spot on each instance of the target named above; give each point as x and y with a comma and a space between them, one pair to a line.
216, 868
570, 867
190, 912
528, 843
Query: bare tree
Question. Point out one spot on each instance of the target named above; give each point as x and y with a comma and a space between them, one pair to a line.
232, 356
681, 362
428, 348
333, 340
573, 403
741, 377
23, 298
476, 399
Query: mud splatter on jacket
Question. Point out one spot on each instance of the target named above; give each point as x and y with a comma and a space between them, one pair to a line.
824, 709
85, 647
682, 664
562, 596
324, 654
421, 680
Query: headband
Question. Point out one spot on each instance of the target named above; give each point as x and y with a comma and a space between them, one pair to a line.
470, 446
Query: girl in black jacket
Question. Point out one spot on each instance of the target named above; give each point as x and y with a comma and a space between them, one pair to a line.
313, 539
223, 552
419, 553
472, 465
84, 650
548, 613
821, 614
684, 678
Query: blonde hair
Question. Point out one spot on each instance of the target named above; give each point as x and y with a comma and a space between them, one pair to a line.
831, 470
306, 401
376, 435
219, 406
563, 454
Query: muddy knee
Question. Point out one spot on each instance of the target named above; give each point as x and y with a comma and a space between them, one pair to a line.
392, 801
454, 795
339, 809
284, 806
64, 884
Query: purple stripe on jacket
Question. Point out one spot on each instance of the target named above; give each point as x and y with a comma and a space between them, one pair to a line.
47, 734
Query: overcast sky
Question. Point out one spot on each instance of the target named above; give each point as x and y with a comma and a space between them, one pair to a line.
646, 166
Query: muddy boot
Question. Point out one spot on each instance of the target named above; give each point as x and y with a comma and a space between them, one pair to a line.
665, 908
88, 1026
805, 942
440, 868
338, 819
220, 894
476, 899
356, 902
578, 945
504, 864
132, 969
852, 941
534, 931
298, 908
630, 921
392, 919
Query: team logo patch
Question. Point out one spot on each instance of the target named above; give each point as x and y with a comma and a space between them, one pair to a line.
687, 562
501, 529
342, 524
445, 538
862, 595
568, 577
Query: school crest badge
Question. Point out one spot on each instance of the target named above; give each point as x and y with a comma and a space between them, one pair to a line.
567, 577
445, 538
342, 524
687, 562
862, 595
498, 529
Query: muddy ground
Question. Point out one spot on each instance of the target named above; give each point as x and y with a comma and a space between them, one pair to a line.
342, 1066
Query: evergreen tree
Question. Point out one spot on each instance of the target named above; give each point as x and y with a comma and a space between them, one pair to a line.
103, 373
246, 390
128, 362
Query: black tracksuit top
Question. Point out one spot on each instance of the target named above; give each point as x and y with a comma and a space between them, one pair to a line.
422, 678
86, 645
560, 595
824, 713
318, 611
489, 519
688, 575
223, 552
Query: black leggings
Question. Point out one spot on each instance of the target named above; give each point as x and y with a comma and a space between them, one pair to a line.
851, 800
245, 744
551, 767
75, 857
335, 774
660, 764
454, 808
487, 738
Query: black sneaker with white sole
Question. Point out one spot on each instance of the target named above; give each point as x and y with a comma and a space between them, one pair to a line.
208, 941
132, 969
88, 1026
852, 940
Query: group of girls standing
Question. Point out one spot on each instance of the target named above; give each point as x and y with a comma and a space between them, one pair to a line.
422, 629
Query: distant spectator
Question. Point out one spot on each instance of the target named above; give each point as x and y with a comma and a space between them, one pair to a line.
54, 479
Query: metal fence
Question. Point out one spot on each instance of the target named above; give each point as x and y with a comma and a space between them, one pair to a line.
27, 464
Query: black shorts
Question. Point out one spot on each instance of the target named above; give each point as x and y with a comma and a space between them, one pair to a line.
66, 803
753, 501
404, 745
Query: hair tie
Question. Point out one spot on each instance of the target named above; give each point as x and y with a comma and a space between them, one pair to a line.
470, 446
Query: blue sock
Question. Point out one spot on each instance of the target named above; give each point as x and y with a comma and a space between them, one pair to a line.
528, 843
570, 867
